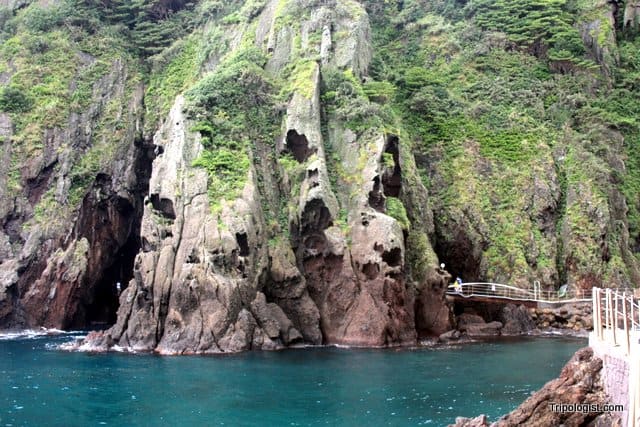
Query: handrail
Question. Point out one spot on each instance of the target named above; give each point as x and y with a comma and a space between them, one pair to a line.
616, 323
500, 291
619, 314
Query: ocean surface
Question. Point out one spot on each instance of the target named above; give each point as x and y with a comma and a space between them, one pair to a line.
43, 386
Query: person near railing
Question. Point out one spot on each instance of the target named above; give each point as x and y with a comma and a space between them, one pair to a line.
457, 285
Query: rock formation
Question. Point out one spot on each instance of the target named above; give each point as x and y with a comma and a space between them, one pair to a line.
579, 383
260, 174
208, 282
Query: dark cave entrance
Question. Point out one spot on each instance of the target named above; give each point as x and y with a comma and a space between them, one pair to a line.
102, 311
459, 255
298, 145
392, 177
112, 225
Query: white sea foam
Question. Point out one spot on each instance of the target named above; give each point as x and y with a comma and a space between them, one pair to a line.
33, 333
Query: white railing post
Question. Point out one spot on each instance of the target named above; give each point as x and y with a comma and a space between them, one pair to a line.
599, 306
607, 299
600, 325
594, 311
625, 321
614, 317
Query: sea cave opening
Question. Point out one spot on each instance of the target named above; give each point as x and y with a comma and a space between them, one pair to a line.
112, 225
459, 257
102, 310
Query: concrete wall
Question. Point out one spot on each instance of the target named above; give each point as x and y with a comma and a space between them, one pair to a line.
615, 373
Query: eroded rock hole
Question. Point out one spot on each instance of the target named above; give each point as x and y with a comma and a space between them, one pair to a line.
371, 270
314, 245
392, 176
393, 258
38, 185
313, 176
243, 244
163, 206
102, 308
376, 198
298, 146
315, 217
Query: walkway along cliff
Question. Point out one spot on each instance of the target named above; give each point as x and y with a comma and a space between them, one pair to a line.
605, 373
293, 171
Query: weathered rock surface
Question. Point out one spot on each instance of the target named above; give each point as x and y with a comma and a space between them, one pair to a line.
516, 320
482, 329
55, 256
579, 383
342, 220
206, 283
571, 317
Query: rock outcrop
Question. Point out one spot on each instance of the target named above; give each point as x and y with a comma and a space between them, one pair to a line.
571, 317
208, 282
70, 212
579, 383
516, 320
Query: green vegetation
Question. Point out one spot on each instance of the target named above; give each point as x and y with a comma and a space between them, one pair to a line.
51, 77
543, 26
234, 108
396, 210
523, 133
14, 100
173, 76
345, 98
500, 93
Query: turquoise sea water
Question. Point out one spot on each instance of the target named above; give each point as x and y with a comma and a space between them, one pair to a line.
42, 386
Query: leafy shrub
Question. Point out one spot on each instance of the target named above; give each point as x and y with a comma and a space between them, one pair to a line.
381, 92
232, 106
37, 18
540, 25
14, 100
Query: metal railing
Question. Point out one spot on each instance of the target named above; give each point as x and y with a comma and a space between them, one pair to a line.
616, 317
500, 291
616, 323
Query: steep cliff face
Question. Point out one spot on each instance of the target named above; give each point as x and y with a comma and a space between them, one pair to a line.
293, 171
300, 250
73, 174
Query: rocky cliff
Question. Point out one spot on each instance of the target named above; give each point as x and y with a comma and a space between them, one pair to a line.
259, 174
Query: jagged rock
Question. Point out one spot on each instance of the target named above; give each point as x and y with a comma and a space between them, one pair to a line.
479, 421
452, 335
54, 272
579, 382
433, 315
467, 319
570, 317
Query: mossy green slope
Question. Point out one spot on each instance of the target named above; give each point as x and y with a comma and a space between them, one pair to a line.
526, 142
